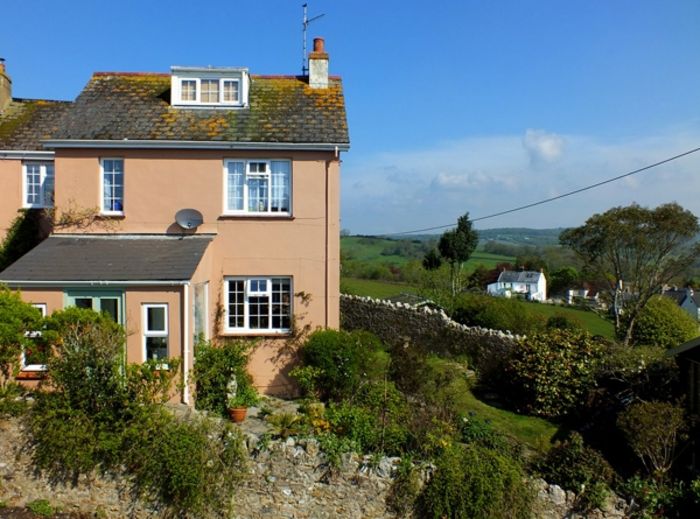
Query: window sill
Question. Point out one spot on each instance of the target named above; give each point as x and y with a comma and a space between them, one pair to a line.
31, 375
250, 216
283, 334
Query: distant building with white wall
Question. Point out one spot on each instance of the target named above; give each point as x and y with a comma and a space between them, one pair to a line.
528, 283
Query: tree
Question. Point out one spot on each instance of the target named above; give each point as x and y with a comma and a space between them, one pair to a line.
455, 246
638, 250
663, 323
432, 260
652, 430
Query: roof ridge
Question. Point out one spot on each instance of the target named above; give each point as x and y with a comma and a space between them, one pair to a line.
31, 99
159, 74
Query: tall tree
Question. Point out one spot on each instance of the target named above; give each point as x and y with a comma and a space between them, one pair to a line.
455, 246
636, 251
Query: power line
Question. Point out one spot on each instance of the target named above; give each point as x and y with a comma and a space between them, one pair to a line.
547, 200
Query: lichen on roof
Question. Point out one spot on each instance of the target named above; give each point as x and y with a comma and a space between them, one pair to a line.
26, 122
116, 106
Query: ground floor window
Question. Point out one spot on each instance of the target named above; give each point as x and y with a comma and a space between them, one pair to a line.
35, 354
258, 304
155, 331
107, 301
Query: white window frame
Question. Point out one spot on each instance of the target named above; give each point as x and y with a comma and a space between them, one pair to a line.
103, 210
177, 91
43, 175
34, 367
146, 333
246, 329
248, 175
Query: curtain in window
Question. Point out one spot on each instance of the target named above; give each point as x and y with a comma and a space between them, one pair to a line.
280, 186
236, 173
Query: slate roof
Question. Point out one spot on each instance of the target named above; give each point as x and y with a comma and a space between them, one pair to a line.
136, 106
523, 276
26, 122
109, 258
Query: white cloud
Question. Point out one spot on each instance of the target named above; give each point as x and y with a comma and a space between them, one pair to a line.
404, 190
543, 146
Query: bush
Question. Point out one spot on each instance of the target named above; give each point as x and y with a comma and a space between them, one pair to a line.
214, 368
651, 499
497, 313
477, 431
548, 374
472, 482
98, 415
663, 323
652, 430
574, 466
404, 489
12, 401
16, 319
346, 360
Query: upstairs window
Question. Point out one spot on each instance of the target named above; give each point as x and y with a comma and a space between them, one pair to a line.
112, 186
38, 184
257, 187
209, 87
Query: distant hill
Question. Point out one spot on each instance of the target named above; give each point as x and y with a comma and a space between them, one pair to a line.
509, 235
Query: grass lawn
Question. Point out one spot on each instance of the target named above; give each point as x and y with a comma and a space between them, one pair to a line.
373, 288
592, 322
535, 433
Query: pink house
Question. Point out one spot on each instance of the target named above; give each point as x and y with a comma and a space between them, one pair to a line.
203, 202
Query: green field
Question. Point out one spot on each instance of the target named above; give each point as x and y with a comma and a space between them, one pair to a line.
592, 322
372, 288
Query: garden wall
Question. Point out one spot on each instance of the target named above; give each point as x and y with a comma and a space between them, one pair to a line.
428, 330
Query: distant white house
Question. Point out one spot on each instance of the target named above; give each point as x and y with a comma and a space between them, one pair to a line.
686, 299
532, 285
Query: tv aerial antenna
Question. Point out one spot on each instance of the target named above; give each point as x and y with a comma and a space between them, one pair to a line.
305, 25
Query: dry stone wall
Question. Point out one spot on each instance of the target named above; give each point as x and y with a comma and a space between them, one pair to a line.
429, 330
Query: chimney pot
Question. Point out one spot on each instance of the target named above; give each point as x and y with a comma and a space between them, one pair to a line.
318, 45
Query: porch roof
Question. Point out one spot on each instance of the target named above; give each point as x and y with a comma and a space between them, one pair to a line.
98, 258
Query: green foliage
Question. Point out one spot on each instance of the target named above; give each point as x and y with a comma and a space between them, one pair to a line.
214, 368
307, 377
497, 313
455, 246
432, 260
478, 431
41, 507
16, 319
12, 401
404, 489
98, 415
574, 466
472, 482
563, 279
563, 322
190, 467
652, 430
345, 359
663, 323
639, 247
285, 425
548, 374
651, 498
28, 229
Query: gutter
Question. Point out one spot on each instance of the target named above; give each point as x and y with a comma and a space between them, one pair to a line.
26, 154
93, 283
194, 145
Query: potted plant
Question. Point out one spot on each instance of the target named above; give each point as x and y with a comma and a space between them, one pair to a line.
240, 394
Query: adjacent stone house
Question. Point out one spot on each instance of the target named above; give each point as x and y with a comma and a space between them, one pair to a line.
526, 283
212, 200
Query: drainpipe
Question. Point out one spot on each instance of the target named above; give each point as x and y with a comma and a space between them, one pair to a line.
186, 344
325, 263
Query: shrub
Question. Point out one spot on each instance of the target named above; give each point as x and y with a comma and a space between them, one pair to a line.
650, 498
497, 313
472, 482
563, 322
652, 430
215, 367
41, 507
404, 489
16, 319
477, 431
346, 360
663, 323
12, 402
549, 373
574, 466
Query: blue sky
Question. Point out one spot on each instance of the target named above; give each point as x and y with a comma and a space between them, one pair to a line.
453, 106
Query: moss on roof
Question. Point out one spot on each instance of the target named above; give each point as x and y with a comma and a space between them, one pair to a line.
116, 106
26, 122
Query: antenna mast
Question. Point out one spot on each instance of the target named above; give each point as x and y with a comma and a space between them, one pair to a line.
305, 25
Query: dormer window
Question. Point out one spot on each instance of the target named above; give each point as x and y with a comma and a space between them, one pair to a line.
209, 87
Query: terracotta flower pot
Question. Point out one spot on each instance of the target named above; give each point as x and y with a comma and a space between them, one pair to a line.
237, 414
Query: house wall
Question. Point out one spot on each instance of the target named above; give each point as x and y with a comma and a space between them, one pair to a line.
11, 189
305, 246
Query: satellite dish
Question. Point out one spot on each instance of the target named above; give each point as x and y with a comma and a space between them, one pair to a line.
189, 218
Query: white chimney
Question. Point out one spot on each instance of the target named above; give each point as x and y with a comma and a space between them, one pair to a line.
318, 65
